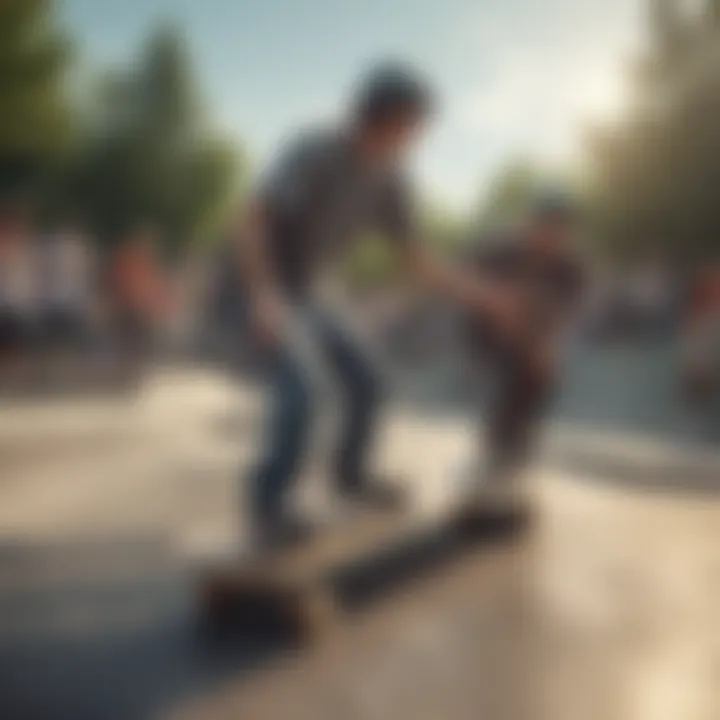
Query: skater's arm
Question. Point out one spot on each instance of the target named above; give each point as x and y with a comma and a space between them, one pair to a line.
279, 191
460, 286
257, 272
255, 264
282, 191
463, 288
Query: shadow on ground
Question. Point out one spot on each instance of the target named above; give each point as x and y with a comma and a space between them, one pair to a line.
110, 629
107, 630
666, 476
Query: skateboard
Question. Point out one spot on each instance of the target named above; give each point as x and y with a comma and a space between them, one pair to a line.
290, 589
507, 522
302, 590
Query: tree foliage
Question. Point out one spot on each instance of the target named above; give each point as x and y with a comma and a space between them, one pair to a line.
656, 173
35, 120
150, 154
510, 194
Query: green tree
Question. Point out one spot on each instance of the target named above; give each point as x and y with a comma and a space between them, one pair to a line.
151, 155
656, 173
510, 194
35, 121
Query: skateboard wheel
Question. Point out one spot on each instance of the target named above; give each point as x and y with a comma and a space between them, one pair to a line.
495, 522
215, 601
310, 612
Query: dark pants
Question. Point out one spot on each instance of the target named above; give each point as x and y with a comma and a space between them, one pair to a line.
320, 349
519, 397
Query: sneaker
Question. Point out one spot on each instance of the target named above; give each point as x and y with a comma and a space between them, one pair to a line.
375, 494
280, 532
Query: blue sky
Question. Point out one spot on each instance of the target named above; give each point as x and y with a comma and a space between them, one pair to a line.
514, 76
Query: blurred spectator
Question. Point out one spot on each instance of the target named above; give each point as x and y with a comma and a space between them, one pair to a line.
701, 337
652, 298
66, 277
140, 297
16, 297
224, 303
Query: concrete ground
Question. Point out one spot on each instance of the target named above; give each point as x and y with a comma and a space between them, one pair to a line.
607, 610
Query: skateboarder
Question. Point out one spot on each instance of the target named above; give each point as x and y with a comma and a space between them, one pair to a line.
325, 187
518, 371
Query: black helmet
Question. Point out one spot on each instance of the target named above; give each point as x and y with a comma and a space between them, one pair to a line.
392, 89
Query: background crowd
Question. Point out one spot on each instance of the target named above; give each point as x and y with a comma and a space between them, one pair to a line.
118, 190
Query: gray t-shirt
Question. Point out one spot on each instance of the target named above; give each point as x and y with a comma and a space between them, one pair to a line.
320, 198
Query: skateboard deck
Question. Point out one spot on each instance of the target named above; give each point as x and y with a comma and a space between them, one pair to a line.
301, 590
289, 589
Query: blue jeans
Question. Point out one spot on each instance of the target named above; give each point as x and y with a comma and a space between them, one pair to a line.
319, 350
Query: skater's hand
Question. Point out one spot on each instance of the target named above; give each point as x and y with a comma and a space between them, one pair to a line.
504, 309
268, 319
482, 297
